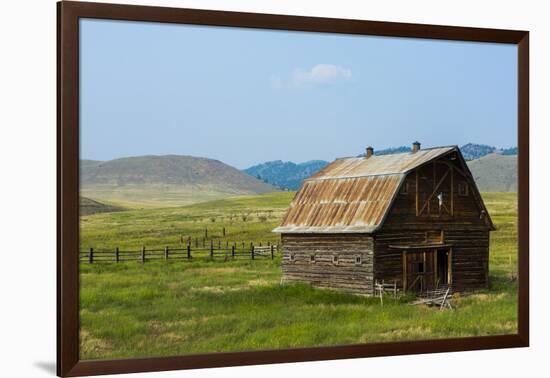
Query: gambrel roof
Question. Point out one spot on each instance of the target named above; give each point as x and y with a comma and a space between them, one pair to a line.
354, 195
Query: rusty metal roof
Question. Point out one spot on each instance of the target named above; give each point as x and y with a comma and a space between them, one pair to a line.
355, 204
352, 195
379, 164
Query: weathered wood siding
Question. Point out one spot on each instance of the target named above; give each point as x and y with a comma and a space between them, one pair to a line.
345, 274
460, 221
469, 261
388, 262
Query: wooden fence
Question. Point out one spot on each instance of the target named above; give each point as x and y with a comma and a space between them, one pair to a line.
214, 250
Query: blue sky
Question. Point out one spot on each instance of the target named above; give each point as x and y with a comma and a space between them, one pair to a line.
247, 96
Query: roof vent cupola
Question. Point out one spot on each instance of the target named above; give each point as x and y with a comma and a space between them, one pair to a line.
415, 147
370, 152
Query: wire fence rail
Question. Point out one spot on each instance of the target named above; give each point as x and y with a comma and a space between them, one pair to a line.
213, 251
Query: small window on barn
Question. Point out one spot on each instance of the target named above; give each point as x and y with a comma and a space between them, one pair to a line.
358, 260
462, 189
312, 258
335, 259
291, 256
404, 188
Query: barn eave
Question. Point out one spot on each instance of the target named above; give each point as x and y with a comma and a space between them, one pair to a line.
326, 230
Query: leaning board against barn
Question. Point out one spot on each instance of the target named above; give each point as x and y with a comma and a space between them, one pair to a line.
415, 218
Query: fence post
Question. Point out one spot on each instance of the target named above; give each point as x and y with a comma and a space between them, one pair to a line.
219, 244
165, 253
211, 249
233, 251
143, 254
91, 256
271, 247
117, 258
189, 251
251, 250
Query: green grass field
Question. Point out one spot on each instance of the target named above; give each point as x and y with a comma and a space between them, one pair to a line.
182, 307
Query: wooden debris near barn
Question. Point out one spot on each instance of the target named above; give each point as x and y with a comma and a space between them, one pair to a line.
439, 297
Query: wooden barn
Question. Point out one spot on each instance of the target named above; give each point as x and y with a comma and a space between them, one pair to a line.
414, 218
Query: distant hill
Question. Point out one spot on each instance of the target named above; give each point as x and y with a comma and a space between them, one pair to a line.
289, 176
171, 180
510, 151
285, 174
393, 150
472, 151
89, 206
495, 173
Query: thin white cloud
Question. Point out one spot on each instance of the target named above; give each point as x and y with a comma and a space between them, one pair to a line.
322, 73
318, 74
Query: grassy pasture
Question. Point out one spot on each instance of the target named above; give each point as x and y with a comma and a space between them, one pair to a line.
182, 307
246, 218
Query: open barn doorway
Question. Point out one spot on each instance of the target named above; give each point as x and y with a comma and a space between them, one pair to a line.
443, 267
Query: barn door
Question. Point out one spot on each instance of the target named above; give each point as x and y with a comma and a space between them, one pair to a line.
419, 270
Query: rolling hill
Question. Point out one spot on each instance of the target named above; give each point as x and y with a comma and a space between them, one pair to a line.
171, 180
495, 173
89, 206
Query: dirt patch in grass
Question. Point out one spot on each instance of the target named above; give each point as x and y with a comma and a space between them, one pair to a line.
160, 331
488, 297
481, 297
210, 289
93, 346
402, 334
259, 282
172, 337
217, 270
216, 289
